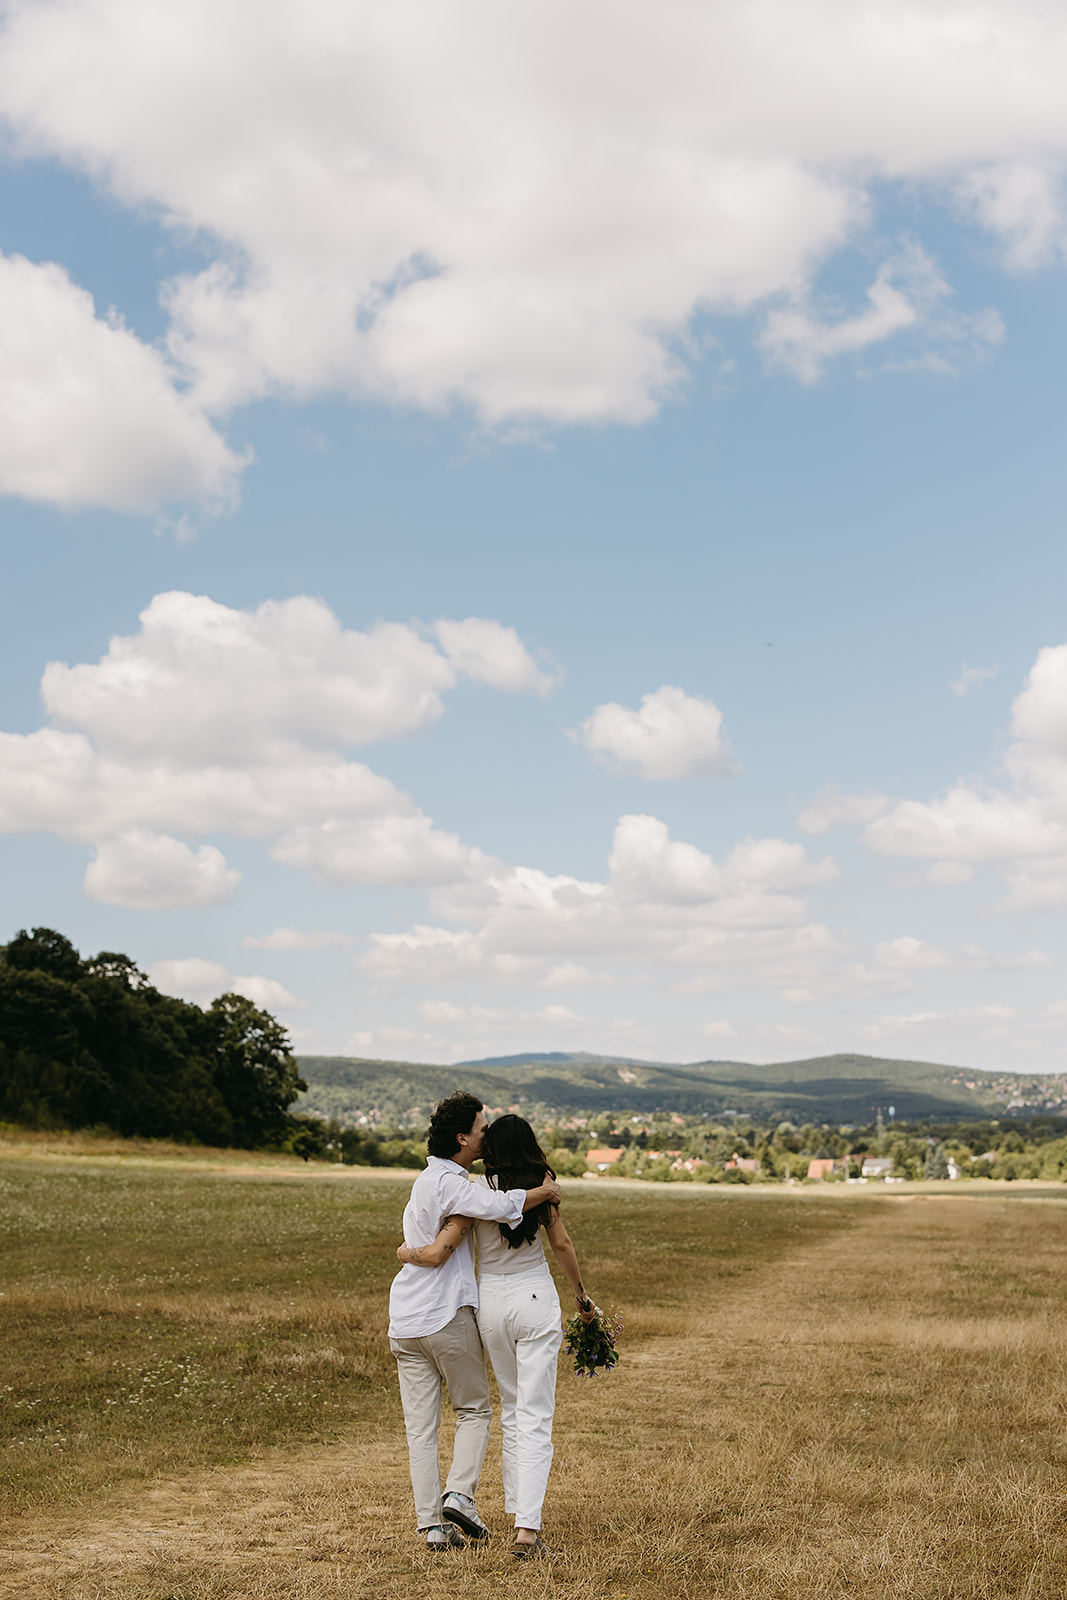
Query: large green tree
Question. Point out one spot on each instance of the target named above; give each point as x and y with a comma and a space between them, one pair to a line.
91, 1042
254, 1068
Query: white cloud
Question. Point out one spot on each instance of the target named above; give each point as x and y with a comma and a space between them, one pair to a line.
981, 960
521, 208
440, 1011
673, 735
1040, 888
571, 975
904, 962
60, 782
199, 980
267, 993
718, 1030
188, 976
908, 954
907, 294
212, 720
153, 872
665, 902
292, 939
90, 416
829, 808
947, 874
885, 1027
203, 682
970, 824
1019, 826
482, 1023
490, 653
1023, 203
558, 1016
795, 338
970, 678
390, 849
487, 1020
982, 1021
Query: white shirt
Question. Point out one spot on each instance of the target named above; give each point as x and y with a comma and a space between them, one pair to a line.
424, 1300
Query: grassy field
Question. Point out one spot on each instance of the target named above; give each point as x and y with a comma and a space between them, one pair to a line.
822, 1393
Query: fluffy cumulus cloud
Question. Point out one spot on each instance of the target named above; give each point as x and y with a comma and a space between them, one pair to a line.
718, 1030
673, 735
204, 683
90, 416
664, 902
521, 208
214, 721
145, 870
197, 979
1018, 826
487, 652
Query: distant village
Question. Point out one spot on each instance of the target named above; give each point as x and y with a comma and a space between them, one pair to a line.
1020, 1093
734, 1148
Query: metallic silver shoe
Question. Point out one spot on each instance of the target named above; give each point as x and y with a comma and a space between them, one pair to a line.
438, 1540
461, 1510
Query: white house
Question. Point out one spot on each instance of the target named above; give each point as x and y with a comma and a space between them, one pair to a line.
876, 1167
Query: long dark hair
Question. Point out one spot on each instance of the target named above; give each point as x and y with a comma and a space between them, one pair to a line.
514, 1160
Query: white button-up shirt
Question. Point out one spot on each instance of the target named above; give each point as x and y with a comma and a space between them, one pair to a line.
424, 1300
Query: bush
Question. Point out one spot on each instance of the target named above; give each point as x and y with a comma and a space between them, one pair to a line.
567, 1163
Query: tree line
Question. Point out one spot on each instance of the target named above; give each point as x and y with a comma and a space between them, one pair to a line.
89, 1042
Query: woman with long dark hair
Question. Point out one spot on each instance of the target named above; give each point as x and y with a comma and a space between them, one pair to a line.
519, 1317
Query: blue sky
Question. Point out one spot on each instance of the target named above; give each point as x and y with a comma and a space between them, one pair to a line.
719, 411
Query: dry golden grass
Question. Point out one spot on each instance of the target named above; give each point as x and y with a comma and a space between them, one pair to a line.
820, 1394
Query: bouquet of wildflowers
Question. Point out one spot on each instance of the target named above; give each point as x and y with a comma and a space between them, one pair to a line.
592, 1344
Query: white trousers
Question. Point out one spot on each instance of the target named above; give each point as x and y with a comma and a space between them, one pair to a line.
519, 1321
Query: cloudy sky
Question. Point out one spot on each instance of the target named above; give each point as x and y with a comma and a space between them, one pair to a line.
542, 526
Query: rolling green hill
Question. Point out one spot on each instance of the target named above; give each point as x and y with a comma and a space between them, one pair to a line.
837, 1088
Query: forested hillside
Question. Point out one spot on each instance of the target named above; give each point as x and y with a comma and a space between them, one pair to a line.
837, 1088
89, 1042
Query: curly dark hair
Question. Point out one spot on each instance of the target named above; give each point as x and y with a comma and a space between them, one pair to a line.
514, 1160
451, 1117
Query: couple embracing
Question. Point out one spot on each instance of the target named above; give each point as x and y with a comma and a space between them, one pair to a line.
441, 1317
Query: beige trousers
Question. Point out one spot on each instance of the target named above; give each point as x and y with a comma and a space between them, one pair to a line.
454, 1358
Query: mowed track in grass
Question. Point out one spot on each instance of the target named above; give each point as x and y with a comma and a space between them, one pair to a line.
820, 1393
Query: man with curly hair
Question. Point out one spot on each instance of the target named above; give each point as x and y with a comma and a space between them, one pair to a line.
432, 1329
